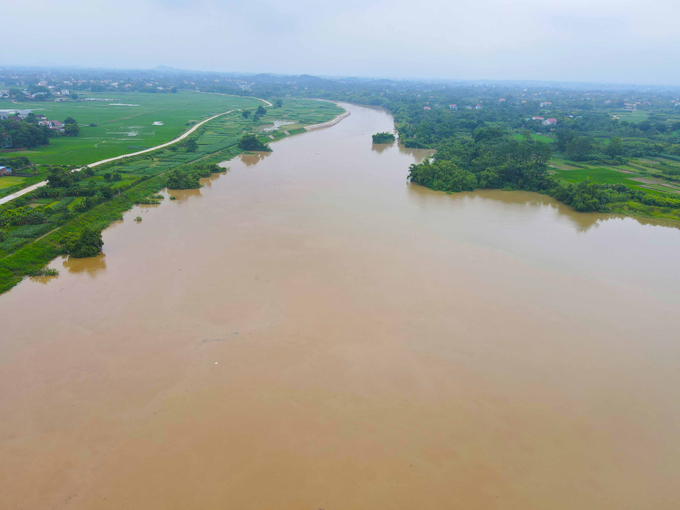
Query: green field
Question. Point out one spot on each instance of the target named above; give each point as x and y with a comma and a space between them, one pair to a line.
635, 116
123, 129
6, 182
639, 174
536, 137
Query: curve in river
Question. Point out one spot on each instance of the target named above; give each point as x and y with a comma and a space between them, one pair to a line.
309, 331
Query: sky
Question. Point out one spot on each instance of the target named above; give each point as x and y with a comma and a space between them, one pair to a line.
605, 41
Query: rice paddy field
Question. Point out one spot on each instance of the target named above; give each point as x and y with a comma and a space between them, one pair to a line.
647, 174
631, 116
536, 137
125, 122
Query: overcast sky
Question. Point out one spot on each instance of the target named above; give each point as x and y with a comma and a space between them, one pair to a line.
618, 41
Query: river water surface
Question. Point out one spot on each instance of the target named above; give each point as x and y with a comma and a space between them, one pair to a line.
308, 331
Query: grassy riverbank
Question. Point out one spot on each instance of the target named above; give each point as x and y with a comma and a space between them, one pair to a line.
35, 223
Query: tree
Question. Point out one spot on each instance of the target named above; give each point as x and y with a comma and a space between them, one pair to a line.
59, 177
261, 110
251, 143
88, 244
579, 148
245, 114
70, 120
191, 145
564, 136
383, 138
614, 148
278, 103
71, 129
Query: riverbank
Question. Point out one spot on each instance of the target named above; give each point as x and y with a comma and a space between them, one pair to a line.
330, 123
32, 242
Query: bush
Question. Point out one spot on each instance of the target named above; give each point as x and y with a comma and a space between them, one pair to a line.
88, 244
251, 143
383, 138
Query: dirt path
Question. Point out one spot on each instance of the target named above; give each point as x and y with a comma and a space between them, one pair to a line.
19, 193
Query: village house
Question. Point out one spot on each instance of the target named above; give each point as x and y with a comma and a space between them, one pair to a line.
453, 107
426, 108
52, 124
5, 170
536, 118
546, 104
550, 122
478, 107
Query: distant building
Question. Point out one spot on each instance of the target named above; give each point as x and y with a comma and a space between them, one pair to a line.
546, 104
469, 107
455, 107
550, 122
52, 124
501, 100
426, 108
5, 170
536, 118
478, 107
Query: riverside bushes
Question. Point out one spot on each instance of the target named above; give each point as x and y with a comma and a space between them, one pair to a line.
383, 138
493, 160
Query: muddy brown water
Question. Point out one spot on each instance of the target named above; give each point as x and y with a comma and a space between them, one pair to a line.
308, 331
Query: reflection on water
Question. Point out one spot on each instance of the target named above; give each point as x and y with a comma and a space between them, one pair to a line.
44, 280
253, 158
184, 195
516, 201
208, 181
90, 266
381, 147
419, 155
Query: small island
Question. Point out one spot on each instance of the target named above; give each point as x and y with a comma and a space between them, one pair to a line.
383, 138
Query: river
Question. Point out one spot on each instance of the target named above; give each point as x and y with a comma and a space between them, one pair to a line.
308, 331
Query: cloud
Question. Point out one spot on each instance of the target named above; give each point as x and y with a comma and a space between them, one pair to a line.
579, 40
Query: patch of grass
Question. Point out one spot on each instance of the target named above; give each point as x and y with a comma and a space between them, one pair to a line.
635, 116
599, 175
6, 182
536, 137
